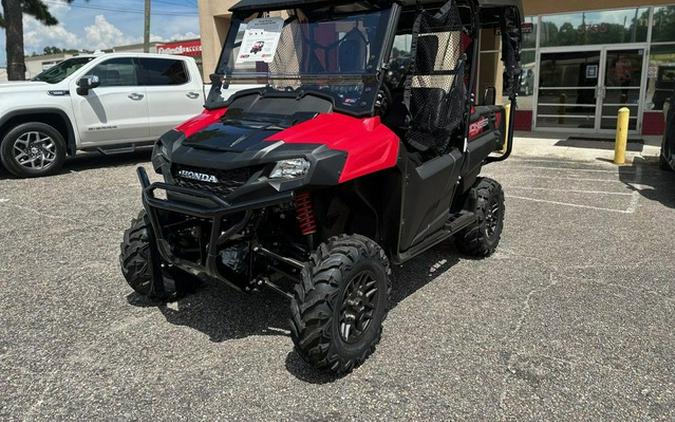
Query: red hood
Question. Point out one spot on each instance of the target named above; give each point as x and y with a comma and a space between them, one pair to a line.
370, 145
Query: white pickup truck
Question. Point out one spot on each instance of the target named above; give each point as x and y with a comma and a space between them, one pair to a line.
108, 103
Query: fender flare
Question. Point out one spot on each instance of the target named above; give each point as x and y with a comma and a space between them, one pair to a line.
70, 136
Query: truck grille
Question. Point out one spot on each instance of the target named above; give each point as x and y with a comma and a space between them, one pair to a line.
228, 180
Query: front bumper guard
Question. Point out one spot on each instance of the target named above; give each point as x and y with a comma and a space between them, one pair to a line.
214, 214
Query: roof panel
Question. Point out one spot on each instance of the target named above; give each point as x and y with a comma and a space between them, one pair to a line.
253, 5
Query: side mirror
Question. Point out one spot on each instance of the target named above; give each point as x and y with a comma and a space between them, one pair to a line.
490, 96
87, 83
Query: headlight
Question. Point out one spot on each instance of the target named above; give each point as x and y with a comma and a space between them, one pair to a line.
290, 169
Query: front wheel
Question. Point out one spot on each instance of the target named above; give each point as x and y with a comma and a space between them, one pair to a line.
482, 237
338, 309
140, 262
32, 150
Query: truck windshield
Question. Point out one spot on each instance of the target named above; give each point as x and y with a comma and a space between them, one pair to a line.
61, 71
338, 54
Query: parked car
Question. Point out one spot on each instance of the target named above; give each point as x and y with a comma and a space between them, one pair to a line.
108, 103
667, 157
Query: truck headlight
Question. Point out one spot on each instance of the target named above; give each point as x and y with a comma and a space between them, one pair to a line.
290, 169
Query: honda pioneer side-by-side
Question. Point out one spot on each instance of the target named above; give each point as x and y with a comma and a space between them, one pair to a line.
360, 149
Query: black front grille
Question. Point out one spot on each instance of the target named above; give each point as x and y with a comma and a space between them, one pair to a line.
228, 180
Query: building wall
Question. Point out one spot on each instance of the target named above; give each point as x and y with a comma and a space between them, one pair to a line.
135, 48
3, 74
214, 22
543, 7
36, 64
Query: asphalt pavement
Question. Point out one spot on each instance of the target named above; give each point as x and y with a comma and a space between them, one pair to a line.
572, 318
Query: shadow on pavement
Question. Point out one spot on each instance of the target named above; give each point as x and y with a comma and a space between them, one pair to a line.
652, 183
92, 161
597, 144
225, 314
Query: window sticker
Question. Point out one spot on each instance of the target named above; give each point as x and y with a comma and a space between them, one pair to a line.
592, 71
261, 40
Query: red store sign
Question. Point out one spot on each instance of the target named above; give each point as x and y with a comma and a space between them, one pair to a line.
182, 48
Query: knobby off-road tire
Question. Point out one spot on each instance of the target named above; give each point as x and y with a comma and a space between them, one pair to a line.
333, 326
482, 238
138, 260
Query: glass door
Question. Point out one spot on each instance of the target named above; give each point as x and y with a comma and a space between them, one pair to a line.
621, 81
584, 90
569, 83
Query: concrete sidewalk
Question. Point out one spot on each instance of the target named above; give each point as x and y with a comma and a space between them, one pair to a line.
574, 148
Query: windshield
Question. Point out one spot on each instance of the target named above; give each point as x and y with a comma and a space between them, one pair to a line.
61, 71
338, 54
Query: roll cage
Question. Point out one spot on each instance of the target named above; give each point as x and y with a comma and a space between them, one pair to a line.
474, 16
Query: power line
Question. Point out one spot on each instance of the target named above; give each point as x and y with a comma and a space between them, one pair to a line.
135, 11
185, 4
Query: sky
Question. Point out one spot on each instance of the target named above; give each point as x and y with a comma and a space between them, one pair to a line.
100, 24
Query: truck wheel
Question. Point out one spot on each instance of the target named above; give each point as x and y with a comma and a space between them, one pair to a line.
338, 309
33, 150
663, 164
481, 238
138, 259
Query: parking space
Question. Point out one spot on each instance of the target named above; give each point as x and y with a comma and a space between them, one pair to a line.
572, 318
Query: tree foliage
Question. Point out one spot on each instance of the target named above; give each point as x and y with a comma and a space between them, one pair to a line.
37, 9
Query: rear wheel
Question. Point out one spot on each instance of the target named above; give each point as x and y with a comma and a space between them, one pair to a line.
482, 238
338, 309
33, 150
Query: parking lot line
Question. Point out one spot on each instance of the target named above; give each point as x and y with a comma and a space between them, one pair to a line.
613, 171
598, 192
632, 207
570, 178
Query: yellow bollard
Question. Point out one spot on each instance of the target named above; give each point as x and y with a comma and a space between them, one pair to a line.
621, 136
507, 117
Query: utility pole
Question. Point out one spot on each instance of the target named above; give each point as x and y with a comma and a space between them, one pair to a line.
146, 32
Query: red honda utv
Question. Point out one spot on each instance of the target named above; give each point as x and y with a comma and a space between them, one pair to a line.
360, 148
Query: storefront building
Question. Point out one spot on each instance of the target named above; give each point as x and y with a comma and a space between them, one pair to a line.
580, 66
38, 63
582, 61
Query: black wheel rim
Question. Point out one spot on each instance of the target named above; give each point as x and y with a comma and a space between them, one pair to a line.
358, 307
492, 218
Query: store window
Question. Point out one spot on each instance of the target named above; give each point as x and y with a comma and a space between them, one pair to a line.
529, 32
663, 29
661, 74
528, 80
603, 27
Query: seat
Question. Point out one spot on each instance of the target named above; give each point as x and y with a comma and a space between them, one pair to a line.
435, 90
353, 52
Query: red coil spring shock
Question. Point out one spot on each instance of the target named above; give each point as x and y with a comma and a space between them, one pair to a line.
305, 213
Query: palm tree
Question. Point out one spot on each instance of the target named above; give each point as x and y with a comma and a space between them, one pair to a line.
11, 19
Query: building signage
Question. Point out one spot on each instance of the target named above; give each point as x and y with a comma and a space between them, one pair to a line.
192, 48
